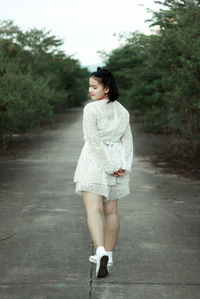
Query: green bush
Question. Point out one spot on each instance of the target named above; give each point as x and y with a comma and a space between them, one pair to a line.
37, 79
25, 103
159, 74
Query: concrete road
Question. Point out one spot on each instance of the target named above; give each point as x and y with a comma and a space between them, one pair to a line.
45, 243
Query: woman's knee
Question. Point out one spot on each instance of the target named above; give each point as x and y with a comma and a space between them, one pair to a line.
110, 208
94, 209
93, 203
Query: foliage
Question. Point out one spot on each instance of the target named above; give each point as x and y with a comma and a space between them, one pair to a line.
159, 74
37, 79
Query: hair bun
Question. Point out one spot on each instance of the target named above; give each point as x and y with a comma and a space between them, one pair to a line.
98, 68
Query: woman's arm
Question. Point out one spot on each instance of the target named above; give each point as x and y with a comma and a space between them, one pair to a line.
127, 142
97, 146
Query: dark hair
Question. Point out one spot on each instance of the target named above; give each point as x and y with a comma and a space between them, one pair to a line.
107, 79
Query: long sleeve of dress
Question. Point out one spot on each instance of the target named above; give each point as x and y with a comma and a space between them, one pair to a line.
127, 141
96, 145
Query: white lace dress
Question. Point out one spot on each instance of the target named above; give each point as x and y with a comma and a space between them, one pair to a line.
108, 147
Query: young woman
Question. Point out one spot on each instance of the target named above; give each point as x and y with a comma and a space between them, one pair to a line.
104, 165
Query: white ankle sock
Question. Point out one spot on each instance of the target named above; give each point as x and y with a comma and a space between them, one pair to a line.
110, 255
100, 250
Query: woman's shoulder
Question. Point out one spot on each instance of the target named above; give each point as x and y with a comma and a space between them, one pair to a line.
92, 106
89, 105
90, 109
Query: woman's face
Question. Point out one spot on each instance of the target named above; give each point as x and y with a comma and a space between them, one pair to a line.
96, 90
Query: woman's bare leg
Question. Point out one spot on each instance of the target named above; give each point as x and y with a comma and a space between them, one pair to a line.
94, 208
112, 224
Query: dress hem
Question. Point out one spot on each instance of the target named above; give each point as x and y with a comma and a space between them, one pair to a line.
110, 193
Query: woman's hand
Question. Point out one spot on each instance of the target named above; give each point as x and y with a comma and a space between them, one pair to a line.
120, 172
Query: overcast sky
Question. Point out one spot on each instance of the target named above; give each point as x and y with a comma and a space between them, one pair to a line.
86, 26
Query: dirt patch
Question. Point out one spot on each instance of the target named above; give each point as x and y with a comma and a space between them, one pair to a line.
170, 153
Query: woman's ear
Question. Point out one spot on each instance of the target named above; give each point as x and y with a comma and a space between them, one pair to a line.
106, 89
